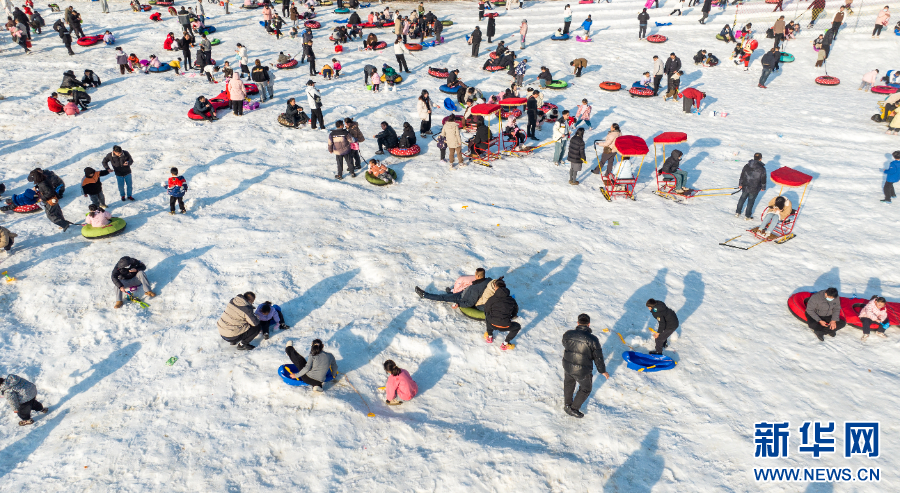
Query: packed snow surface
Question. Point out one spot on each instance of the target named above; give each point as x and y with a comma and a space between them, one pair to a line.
342, 258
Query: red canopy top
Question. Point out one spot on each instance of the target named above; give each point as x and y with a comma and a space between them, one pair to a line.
485, 109
670, 138
790, 177
631, 145
513, 102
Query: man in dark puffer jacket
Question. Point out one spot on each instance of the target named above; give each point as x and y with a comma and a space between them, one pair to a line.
582, 352
668, 322
499, 311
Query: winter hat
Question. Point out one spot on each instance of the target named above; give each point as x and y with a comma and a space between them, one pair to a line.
89, 172
36, 176
310, 82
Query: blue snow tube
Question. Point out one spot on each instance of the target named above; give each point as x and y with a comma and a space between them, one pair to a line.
648, 362
282, 372
162, 68
342, 11
637, 83
341, 21
208, 29
447, 90
561, 38
661, 24
450, 104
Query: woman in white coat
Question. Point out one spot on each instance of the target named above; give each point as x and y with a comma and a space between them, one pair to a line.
423, 108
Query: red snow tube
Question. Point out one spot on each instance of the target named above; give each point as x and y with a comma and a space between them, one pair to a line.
146, 8
440, 73
494, 68
850, 307
884, 89
412, 151
338, 49
194, 116
773, 1
610, 86
641, 92
89, 40
547, 107
312, 24
657, 38
414, 47
251, 89
164, 3
514, 113
27, 209
827, 80
371, 26
380, 46
491, 14
797, 304
290, 64
156, 17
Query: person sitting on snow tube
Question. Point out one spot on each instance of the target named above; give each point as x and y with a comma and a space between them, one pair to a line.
466, 291
874, 316
203, 108
282, 58
371, 41
295, 114
778, 210
646, 81
727, 34
315, 370
78, 93
98, 217
55, 105
154, 63
28, 197
507, 59
453, 78
408, 137
386, 138
545, 77
90, 79
380, 171
501, 49
823, 313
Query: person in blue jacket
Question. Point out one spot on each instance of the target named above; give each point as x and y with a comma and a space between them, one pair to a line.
586, 25
28, 197
893, 176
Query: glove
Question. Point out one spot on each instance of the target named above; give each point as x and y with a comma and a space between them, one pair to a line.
885, 325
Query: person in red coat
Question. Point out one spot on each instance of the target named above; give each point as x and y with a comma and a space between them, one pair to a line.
691, 95
54, 104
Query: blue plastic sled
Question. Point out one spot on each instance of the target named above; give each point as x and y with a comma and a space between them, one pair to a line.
162, 68
561, 38
637, 83
648, 362
447, 90
282, 371
661, 24
450, 105
342, 21
262, 23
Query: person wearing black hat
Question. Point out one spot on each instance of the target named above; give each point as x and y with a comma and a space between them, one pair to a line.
673, 65
315, 105
582, 352
50, 198
475, 41
499, 311
668, 322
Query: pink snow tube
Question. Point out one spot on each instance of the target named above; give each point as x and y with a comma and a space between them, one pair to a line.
884, 89
657, 38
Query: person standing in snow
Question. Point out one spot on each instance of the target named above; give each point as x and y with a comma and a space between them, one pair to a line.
868, 80
582, 352
751, 182
567, 19
667, 320
707, 6
314, 370
586, 25
50, 197
423, 109
576, 156
177, 187
238, 325
400, 385
883, 19
121, 163
823, 313
499, 311
893, 176
453, 138
769, 62
314, 99
837, 21
475, 41
491, 28
22, 397
339, 141
643, 18
658, 72
673, 65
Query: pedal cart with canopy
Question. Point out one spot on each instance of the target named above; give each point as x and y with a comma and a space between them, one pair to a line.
622, 183
495, 145
665, 182
787, 178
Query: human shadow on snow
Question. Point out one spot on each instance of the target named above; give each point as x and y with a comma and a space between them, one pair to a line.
356, 352
641, 471
298, 309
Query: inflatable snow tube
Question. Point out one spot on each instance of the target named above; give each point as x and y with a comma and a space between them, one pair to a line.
557, 84
449, 105
648, 363
494, 68
797, 304
430, 43
251, 88
641, 92
207, 30
162, 68
515, 113
342, 11
447, 90
500, 2
89, 40
283, 121
312, 24
491, 14
156, 17
341, 21
657, 38
165, 3
380, 46
413, 46
377, 182
583, 40
291, 64
250, 7
446, 23
146, 8
194, 116
772, 1
585, 2
561, 38
827, 80
373, 26
610, 86
116, 226
440, 73
409, 152
787, 58
473, 313
398, 79
884, 89
720, 37
27, 209
285, 376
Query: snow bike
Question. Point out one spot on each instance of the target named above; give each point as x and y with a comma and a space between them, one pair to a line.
619, 185
784, 231
665, 182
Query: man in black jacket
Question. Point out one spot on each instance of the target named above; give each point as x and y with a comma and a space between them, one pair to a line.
482, 139
531, 110
475, 41
668, 322
260, 74
386, 138
752, 181
673, 65
769, 63
50, 198
64, 35
121, 164
129, 273
582, 352
466, 297
499, 310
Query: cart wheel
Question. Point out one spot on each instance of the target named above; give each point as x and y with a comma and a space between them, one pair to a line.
785, 239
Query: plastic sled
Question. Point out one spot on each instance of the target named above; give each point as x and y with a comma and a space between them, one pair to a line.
648, 363
283, 373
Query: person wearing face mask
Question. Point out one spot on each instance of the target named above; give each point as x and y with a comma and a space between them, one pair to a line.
668, 322
823, 313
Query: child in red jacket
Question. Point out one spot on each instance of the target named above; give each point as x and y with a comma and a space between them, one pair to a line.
55, 105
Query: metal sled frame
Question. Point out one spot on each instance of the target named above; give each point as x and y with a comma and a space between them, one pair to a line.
622, 187
486, 111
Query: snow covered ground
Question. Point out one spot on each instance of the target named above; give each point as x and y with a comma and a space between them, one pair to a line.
342, 258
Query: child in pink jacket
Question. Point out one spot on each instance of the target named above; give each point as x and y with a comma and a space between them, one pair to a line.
584, 114
872, 316
71, 108
98, 218
400, 386
868, 80
375, 80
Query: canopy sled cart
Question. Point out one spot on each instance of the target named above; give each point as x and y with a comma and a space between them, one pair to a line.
784, 231
665, 182
623, 181
485, 156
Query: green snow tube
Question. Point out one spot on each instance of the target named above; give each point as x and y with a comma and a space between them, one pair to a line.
116, 226
473, 313
380, 183
720, 37
447, 23
787, 57
557, 84
215, 41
